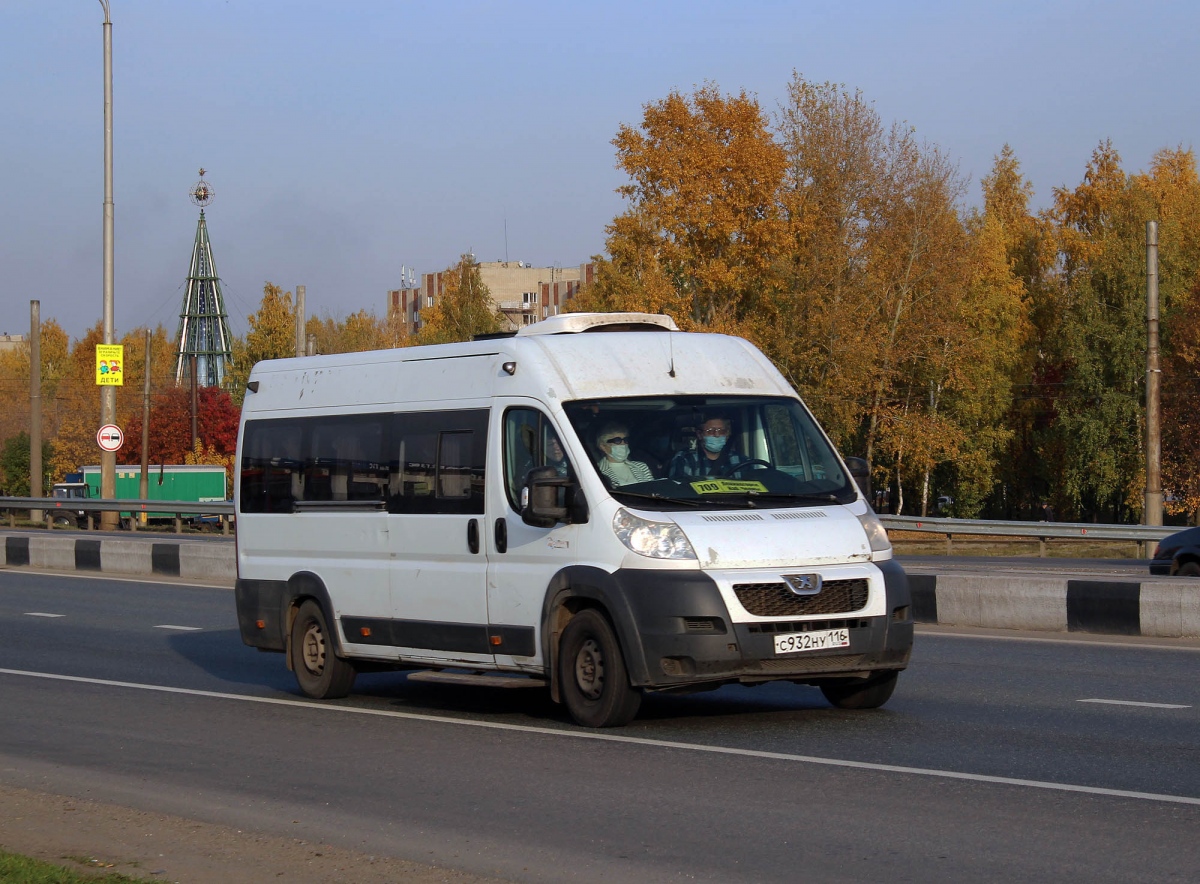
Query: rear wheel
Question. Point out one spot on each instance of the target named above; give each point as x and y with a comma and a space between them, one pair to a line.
320, 673
592, 674
869, 693
1189, 569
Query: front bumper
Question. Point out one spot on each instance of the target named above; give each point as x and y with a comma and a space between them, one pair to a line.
686, 637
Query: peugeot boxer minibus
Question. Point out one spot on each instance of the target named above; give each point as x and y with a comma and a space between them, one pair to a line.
598, 503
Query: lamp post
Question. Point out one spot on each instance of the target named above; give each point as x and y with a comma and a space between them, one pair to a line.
108, 394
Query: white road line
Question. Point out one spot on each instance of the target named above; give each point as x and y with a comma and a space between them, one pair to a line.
1097, 642
1136, 703
617, 738
180, 628
40, 614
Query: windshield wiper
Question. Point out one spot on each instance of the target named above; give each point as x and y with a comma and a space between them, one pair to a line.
662, 498
814, 497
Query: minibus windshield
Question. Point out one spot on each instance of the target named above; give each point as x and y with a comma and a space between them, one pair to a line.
719, 451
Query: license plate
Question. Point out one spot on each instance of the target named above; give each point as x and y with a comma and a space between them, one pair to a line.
793, 642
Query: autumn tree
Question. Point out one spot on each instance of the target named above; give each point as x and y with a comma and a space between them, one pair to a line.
272, 335
77, 406
462, 310
703, 216
1174, 187
14, 466
14, 381
356, 333
835, 146
170, 437
1095, 442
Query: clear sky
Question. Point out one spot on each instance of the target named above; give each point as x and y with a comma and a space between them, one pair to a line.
346, 138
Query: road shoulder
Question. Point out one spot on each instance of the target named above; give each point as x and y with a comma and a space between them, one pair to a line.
84, 834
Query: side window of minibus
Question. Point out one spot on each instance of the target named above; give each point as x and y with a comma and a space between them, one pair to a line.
530, 440
437, 462
272, 477
520, 449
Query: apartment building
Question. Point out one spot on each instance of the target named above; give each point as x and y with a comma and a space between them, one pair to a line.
522, 292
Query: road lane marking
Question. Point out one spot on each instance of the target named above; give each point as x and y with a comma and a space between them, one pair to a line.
617, 738
40, 614
1097, 642
180, 628
1136, 703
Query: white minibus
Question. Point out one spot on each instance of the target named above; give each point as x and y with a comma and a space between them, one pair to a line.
598, 503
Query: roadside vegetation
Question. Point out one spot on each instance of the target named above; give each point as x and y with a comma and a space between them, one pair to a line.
971, 348
16, 869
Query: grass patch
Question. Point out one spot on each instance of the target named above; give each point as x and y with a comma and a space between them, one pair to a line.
17, 869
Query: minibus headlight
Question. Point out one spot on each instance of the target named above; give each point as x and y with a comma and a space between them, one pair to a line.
876, 533
656, 540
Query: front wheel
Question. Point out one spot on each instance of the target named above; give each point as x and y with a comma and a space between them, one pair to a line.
592, 675
321, 673
869, 693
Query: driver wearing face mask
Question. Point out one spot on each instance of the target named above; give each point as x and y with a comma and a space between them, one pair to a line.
711, 456
613, 440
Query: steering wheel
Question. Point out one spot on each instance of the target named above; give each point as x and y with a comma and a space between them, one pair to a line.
748, 463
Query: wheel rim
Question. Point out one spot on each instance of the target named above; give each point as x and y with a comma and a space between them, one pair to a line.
312, 649
589, 669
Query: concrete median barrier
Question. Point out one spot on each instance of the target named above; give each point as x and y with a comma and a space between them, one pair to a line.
1158, 606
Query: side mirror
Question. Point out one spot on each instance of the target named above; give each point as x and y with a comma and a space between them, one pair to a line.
861, 474
540, 498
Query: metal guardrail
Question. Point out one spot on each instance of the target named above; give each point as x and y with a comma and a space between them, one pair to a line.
52, 508
949, 528
1142, 535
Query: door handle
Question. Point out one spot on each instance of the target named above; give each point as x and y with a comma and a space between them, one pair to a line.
473, 536
501, 535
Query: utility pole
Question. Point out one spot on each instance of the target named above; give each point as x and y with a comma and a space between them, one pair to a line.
35, 405
108, 394
1154, 496
300, 321
144, 481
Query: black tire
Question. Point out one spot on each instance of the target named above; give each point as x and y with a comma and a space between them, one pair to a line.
870, 693
1188, 569
592, 676
320, 673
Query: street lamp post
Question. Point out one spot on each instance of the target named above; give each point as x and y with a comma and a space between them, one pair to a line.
108, 394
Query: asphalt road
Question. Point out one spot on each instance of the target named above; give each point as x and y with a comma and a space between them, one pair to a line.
999, 756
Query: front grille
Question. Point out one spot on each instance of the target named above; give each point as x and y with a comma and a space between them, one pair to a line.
777, 600
785, 626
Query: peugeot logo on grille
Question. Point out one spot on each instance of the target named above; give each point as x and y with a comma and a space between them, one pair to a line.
803, 584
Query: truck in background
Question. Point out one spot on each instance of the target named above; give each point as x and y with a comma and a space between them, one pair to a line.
194, 482
73, 488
